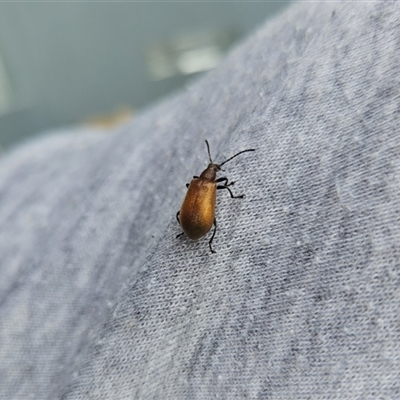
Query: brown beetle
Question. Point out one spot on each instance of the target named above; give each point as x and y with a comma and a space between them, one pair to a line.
197, 213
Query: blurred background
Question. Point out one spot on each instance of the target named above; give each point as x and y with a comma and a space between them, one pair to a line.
98, 63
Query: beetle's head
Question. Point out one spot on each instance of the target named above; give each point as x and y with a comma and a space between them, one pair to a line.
210, 173
217, 167
214, 167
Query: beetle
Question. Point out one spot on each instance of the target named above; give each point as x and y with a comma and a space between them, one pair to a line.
197, 213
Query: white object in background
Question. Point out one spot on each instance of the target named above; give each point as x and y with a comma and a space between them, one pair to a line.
187, 54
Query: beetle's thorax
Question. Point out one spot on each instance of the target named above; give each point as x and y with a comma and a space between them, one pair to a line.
210, 173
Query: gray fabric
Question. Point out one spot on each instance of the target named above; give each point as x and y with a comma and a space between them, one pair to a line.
99, 300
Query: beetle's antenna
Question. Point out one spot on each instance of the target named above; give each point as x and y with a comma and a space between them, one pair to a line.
208, 149
240, 152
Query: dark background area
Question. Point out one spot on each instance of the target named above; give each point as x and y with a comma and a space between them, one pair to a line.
70, 63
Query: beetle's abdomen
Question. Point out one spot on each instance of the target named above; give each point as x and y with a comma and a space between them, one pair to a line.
198, 208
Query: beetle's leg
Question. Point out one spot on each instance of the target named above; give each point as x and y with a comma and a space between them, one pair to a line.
212, 237
187, 185
225, 180
177, 217
230, 192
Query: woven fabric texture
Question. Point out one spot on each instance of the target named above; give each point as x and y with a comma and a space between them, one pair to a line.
100, 300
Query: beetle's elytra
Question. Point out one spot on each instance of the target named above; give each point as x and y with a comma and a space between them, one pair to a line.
197, 213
